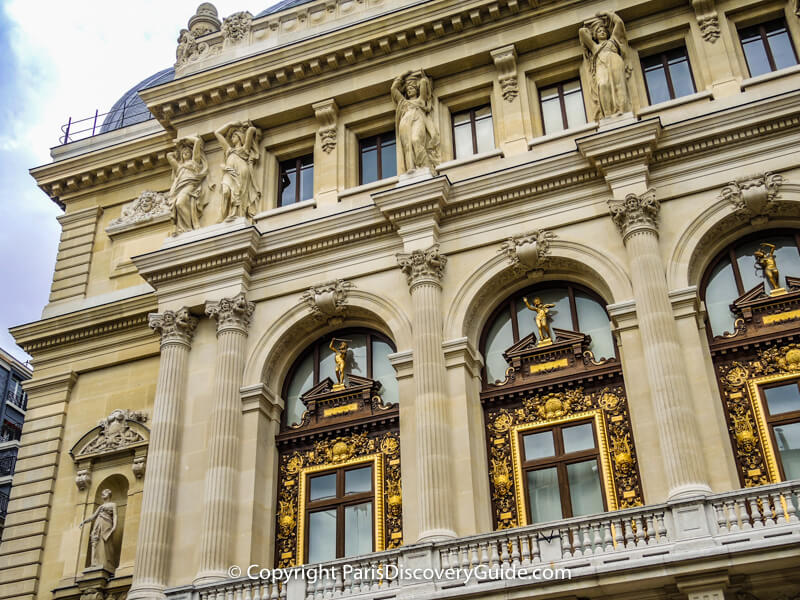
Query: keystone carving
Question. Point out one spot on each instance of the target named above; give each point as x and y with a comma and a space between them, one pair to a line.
422, 265
528, 252
231, 313
635, 212
236, 27
327, 299
327, 113
174, 326
147, 207
753, 197
707, 19
505, 61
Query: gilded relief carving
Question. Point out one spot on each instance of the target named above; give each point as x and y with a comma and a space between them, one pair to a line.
382, 451
608, 407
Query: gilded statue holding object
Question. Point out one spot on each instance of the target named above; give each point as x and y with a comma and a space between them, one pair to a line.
189, 170
104, 523
418, 137
765, 260
240, 193
542, 319
605, 44
340, 357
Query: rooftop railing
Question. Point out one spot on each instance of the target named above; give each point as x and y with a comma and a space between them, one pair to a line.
81, 129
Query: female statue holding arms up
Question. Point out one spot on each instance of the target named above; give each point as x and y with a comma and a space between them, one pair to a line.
240, 193
604, 43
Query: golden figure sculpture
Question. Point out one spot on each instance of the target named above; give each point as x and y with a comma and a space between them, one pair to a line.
340, 356
766, 261
542, 319
189, 170
104, 522
240, 193
604, 42
418, 138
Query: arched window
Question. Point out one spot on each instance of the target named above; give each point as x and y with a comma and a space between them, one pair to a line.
368, 356
735, 271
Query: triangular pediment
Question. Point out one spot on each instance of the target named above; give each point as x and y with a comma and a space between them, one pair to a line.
749, 297
528, 346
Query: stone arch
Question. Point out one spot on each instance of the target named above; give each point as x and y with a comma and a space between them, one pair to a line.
294, 330
495, 279
717, 226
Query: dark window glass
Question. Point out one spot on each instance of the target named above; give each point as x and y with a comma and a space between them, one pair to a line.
767, 47
783, 420
668, 75
296, 180
562, 106
473, 132
378, 157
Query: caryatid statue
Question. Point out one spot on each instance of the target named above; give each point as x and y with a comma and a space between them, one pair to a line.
104, 522
189, 170
418, 136
240, 193
605, 45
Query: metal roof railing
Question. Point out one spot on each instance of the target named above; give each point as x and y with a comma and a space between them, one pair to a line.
74, 130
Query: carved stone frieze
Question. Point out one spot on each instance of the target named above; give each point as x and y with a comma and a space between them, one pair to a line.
636, 212
753, 197
149, 206
421, 265
231, 313
327, 113
505, 61
327, 299
116, 432
174, 325
528, 251
236, 27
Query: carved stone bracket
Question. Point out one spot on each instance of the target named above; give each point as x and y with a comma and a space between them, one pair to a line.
505, 61
528, 252
236, 27
707, 19
635, 213
327, 300
147, 208
422, 265
327, 113
231, 313
753, 197
175, 326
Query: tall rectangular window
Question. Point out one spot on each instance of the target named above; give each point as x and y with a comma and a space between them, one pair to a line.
473, 132
562, 472
667, 75
562, 106
340, 514
767, 47
296, 180
783, 419
377, 157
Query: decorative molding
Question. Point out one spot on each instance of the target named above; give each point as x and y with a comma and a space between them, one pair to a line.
205, 20
505, 61
148, 208
115, 432
327, 300
327, 113
422, 265
83, 479
528, 252
139, 466
707, 19
174, 326
753, 197
231, 313
635, 213
236, 27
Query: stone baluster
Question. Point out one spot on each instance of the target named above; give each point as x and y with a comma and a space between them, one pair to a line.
424, 270
636, 217
158, 502
233, 317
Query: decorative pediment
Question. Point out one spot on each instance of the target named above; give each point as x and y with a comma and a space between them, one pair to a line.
759, 313
328, 403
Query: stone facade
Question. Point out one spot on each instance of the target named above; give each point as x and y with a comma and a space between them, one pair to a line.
182, 341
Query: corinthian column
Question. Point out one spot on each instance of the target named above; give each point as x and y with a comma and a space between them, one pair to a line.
424, 270
156, 520
233, 318
636, 217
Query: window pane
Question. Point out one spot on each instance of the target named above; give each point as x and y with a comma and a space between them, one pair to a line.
302, 380
463, 140
756, 56
322, 487
584, 488
783, 398
681, 78
358, 529
782, 50
720, 292
388, 157
560, 315
369, 166
657, 87
576, 114
289, 186
484, 132
461, 118
358, 480
307, 183
538, 445
551, 116
579, 437
788, 439
498, 339
544, 495
322, 536
483, 112
593, 321
383, 371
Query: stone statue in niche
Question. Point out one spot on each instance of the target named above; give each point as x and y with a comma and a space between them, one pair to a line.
189, 170
605, 45
104, 522
240, 193
418, 137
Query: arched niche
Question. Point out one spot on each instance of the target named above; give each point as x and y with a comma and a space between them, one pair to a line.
119, 486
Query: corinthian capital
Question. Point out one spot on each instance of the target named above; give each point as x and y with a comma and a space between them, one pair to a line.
421, 265
635, 213
231, 313
174, 326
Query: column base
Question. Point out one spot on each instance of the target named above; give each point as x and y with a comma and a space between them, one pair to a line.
146, 592
436, 535
210, 577
688, 491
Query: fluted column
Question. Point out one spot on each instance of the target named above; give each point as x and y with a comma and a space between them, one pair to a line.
158, 501
424, 270
233, 318
636, 217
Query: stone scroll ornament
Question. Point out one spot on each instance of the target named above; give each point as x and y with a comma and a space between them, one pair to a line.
605, 47
147, 207
753, 197
418, 136
187, 193
240, 193
707, 19
203, 22
327, 300
528, 252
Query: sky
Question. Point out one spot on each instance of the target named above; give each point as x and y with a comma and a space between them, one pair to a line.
60, 59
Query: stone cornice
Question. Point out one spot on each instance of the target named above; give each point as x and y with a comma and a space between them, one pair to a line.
76, 327
625, 144
426, 199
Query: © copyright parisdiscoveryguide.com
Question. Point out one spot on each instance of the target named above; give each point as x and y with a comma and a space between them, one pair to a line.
390, 572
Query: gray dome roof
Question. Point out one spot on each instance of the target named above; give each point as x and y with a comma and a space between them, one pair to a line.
130, 109
282, 5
